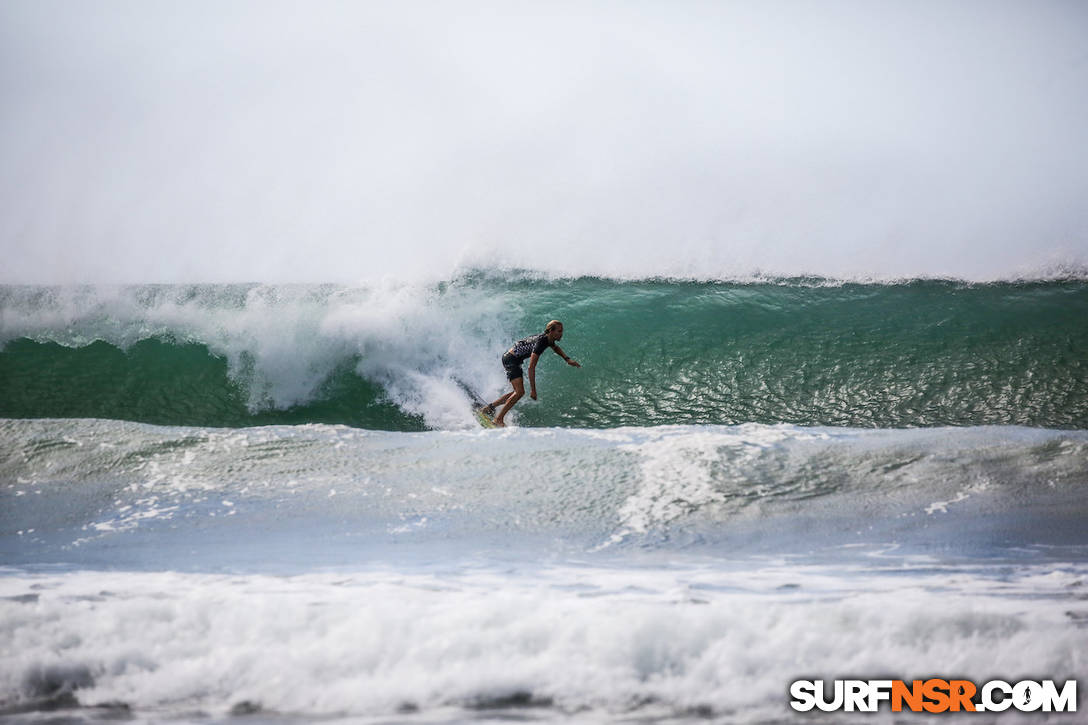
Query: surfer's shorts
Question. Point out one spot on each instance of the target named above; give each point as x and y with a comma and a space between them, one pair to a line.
512, 366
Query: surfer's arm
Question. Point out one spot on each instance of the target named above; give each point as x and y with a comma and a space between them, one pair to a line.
560, 353
532, 374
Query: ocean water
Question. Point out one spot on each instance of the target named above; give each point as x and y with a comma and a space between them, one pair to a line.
262, 503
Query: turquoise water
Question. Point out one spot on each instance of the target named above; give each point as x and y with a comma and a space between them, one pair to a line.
805, 352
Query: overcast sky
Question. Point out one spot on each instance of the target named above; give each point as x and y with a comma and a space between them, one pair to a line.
326, 141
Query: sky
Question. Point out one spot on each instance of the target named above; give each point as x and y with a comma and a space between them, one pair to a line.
269, 141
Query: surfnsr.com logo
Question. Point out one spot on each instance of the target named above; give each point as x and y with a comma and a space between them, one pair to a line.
933, 695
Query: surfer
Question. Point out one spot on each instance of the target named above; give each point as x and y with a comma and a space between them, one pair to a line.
530, 347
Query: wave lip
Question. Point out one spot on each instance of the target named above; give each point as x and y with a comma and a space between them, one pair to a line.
1067, 270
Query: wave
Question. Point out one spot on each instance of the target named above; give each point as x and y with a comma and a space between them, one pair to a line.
93, 487
393, 356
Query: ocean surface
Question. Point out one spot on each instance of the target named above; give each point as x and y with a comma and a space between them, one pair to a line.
271, 503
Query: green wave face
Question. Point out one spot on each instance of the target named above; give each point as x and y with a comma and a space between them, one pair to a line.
923, 353
918, 354
157, 381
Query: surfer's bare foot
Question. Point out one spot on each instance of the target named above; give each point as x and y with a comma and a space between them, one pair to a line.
498, 423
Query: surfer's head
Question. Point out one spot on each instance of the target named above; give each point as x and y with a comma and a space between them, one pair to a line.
554, 330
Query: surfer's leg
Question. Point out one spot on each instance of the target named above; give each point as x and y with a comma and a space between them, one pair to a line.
511, 398
502, 399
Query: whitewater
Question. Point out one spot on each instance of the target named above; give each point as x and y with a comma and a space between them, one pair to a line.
271, 503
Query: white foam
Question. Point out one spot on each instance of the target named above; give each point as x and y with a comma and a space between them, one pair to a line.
700, 634
680, 470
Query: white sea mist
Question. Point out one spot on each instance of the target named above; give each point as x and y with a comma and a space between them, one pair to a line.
337, 141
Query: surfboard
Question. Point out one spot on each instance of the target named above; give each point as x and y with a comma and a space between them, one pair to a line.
477, 402
483, 418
